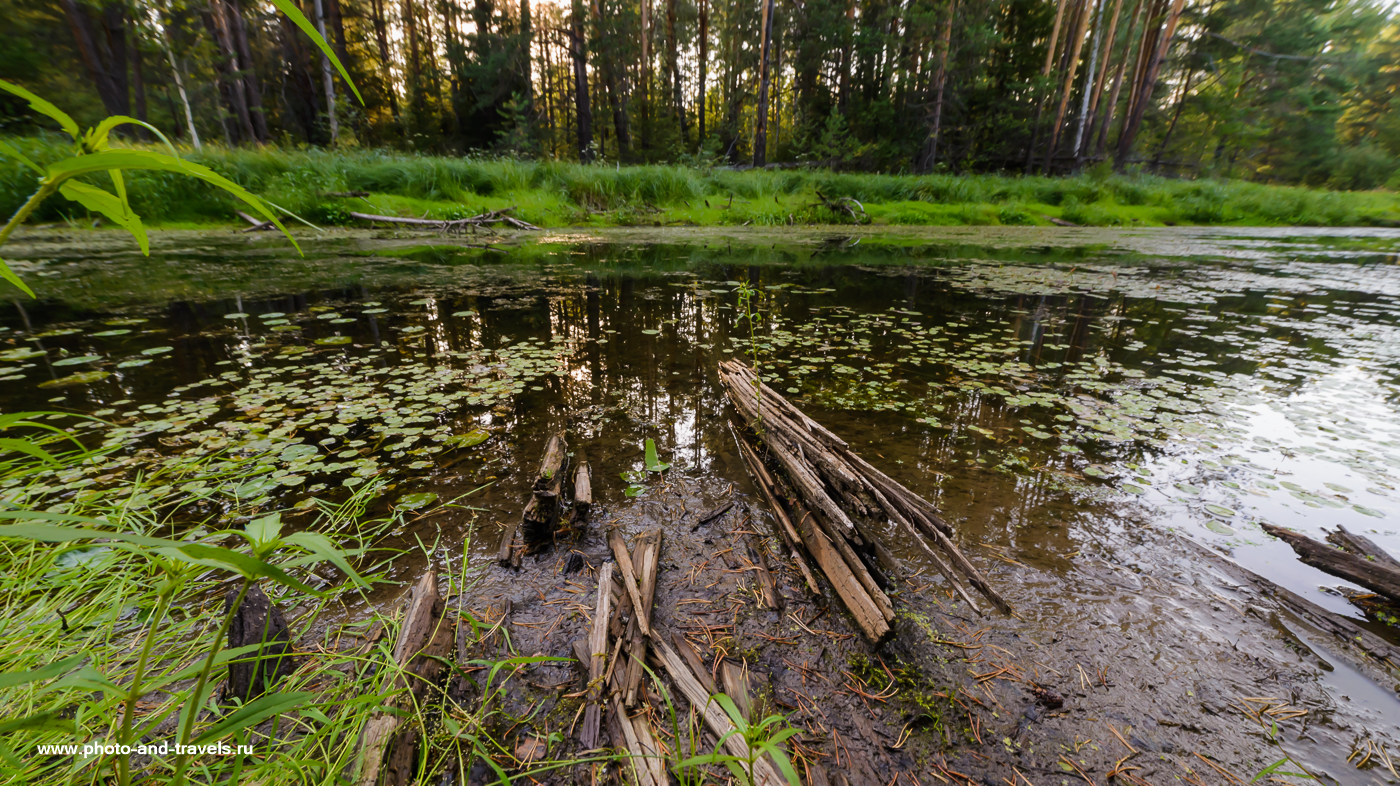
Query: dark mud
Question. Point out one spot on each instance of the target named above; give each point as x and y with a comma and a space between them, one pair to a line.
1076, 402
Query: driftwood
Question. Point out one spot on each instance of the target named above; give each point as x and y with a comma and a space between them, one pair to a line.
455, 225
767, 585
583, 497
257, 620
646, 562
257, 225
1361, 546
711, 515
785, 528
1378, 575
597, 658
387, 743
843, 206
830, 478
541, 517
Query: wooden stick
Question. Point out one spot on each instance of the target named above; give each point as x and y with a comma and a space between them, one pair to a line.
583, 496
649, 550
629, 574
785, 528
1373, 575
494, 217
598, 657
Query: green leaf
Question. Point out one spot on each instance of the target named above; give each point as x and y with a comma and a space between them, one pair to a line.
9, 275
44, 720
321, 546
242, 564
1274, 769
26, 446
264, 531
294, 14
144, 159
653, 462
96, 136
44, 108
113, 207
253, 713
12, 679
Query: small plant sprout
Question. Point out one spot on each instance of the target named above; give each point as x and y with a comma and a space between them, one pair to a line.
747, 295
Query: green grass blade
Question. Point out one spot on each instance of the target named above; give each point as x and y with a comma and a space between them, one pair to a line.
28, 447
321, 546
13, 152
113, 207
48, 672
242, 564
44, 108
97, 136
253, 713
294, 14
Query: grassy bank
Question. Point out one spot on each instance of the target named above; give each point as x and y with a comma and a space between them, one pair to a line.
558, 194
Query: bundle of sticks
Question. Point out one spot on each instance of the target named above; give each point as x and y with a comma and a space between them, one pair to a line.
822, 479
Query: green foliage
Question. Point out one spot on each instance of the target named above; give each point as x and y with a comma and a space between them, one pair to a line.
762, 739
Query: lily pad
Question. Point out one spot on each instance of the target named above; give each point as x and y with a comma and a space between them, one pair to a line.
463, 313
1220, 510
126, 321
272, 315
23, 353
236, 315
416, 501
110, 333
468, 440
1218, 528
1365, 511
79, 360
334, 340
83, 378
157, 350
138, 362
1134, 489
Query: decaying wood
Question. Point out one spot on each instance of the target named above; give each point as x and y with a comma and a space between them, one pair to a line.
598, 657
583, 497
648, 559
765, 774
257, 225
868, 613
736, 685
830, 478
1362, 547
628, 573
711, 515
541, 517
257, 620
423, 640
1374, 575
785, 528
767, 585
457, 225
692, 660
510, 551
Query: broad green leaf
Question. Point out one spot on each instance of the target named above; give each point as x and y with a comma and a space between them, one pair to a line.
653, 462
97, 135
144, 159
253, 713
264, 531
26, 446
321, 546
294, 14
12, 679
44, 108
113, 207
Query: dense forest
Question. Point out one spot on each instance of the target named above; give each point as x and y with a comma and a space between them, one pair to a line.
1290, 91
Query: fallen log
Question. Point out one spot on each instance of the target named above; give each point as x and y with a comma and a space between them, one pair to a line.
1374, 575
541, 516
785, 528
257, 225
1362, 547
453, 225
583, 497
386, 742
829, 477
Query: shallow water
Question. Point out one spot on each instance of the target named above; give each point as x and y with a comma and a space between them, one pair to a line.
1060, 394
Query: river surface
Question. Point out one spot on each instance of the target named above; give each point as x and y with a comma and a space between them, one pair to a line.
1058, 393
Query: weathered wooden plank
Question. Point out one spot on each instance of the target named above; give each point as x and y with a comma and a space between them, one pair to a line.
598, 657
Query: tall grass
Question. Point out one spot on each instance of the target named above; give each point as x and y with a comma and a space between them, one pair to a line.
557, 193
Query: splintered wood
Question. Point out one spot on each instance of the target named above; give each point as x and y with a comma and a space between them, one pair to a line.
827, 479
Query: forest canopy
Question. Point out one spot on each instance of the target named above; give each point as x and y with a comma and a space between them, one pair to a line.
1288, 91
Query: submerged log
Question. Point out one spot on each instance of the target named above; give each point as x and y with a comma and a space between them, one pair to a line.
830, 478
1362, 547
541, 516
257, 620
1374, 575
423, 641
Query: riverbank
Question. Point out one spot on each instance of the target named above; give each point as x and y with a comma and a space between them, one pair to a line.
324, 188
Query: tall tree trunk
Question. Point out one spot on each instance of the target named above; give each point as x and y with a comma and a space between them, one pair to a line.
1151, 31
760, 132
1087, 91
1044, 72
673, 72
704, 64
327, 77
1167, 137
616, 104
1106, 58
527, 45
843, 87
1071, 69
1133, 121
1112, 104
584, 114
644, 81
230, 80
81, 25
138, 85
940, 80
381, 37
251, 91
337, 28
180, 86
114, 35
302, 104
